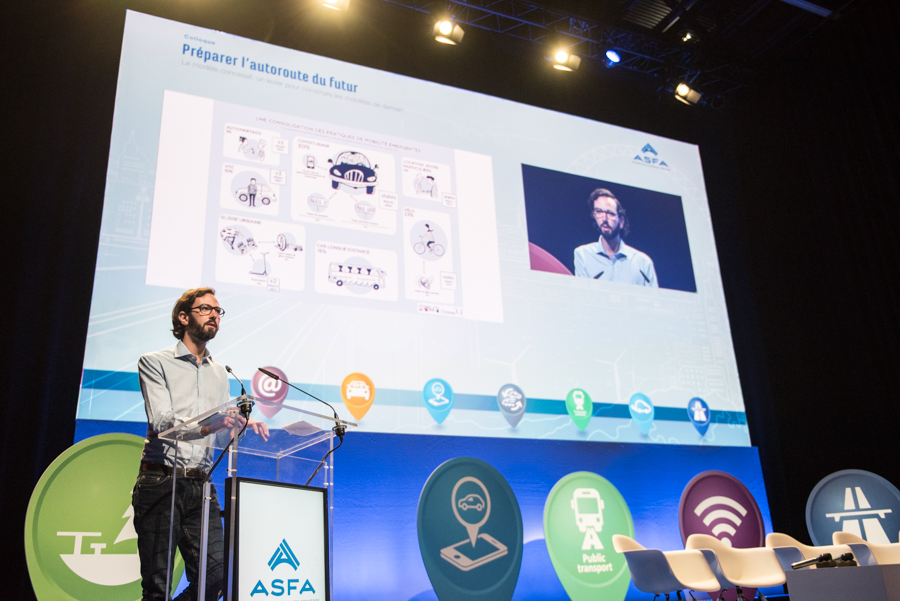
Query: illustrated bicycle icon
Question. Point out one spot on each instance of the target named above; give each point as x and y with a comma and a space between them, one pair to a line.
434, 248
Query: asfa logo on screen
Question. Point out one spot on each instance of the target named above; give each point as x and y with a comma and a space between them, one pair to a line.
280, 586
649, 156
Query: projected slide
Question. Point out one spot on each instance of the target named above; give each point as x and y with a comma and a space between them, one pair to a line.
430, 260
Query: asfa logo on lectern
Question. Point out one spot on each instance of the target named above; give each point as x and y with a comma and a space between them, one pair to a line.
280, 586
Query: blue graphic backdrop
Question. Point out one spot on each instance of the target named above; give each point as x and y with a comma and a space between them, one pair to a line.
379, 477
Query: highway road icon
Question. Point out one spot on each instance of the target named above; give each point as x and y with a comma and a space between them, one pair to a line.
854, 501
699, 414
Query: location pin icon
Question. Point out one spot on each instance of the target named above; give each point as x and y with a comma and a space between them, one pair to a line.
580, 407
358, 393
642, 411
438, 398
481, 505
699, 414
511, 401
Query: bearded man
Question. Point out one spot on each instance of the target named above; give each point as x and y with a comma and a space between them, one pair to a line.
610, 258
179, 384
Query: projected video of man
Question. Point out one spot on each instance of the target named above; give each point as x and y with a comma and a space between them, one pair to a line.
643, 238
610, 258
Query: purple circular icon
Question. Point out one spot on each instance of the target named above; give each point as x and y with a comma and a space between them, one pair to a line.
718, 504
269, 389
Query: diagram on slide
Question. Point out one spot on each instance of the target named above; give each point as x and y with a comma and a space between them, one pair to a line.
336, 184
260, 253
428, 256
251, 145
251, 189
381, 216
355, 271
428, 180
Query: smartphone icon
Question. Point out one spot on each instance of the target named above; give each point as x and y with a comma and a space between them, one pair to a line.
466, 557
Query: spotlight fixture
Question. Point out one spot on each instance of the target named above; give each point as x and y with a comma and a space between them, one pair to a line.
447, 32
685, 94
564, 61
336, 4
611, 58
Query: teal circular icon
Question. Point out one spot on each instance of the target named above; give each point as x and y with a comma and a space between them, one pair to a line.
438, 398
80, 541
470, 532
641, 409
582, 513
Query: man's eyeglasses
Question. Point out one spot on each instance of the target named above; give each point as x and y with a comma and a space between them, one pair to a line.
207, 309
602, 212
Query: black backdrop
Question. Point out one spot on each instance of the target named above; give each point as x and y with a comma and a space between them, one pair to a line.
801, 171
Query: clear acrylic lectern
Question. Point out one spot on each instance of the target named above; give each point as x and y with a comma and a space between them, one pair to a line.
298, 441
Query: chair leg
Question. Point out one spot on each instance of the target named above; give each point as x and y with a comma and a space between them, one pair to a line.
693, 598
760, 596
740, 594
679, 596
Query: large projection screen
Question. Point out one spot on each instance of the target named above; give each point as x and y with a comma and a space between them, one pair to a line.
405, 248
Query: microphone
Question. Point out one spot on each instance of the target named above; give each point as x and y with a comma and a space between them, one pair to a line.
246, 405
810, 562
339, 429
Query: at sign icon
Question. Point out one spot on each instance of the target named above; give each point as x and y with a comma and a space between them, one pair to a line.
269, 389
719, 504
723, 515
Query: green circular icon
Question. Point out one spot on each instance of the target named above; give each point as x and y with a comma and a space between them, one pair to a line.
582, 513
580, 407
80, 542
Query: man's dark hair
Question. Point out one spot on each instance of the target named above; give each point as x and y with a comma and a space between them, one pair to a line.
623, 216
185, 303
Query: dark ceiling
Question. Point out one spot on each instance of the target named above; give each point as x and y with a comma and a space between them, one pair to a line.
728, 42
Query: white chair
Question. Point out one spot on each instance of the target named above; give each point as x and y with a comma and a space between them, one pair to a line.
750, 568
783, 543
877, 554
661, 573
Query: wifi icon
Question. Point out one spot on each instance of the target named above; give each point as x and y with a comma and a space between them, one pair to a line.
719, 504
720, 514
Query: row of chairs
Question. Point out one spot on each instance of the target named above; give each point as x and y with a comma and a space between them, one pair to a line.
708, 565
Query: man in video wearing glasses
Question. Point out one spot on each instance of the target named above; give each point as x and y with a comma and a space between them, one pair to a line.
179, 384
610, 258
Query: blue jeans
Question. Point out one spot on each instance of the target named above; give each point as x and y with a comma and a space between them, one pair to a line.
151, 499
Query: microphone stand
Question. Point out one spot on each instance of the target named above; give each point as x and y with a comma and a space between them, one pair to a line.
245, 406
339, 429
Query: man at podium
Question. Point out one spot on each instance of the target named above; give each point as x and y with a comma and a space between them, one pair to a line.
178, 384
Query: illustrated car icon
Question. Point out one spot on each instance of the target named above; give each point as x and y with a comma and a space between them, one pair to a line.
471, 501
641, 406
354, 170
264, 194
358, 388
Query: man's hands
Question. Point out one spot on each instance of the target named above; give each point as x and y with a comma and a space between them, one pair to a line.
235, 420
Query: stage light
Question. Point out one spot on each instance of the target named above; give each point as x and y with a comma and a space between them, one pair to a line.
686, 37
336, 4
611, 58
448, 32
685, 94
564, 61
